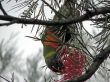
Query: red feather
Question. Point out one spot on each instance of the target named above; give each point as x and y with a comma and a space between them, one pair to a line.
50, 40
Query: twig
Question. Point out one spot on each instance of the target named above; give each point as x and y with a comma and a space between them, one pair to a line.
9, 23
12, 79
4, 78
25, 80
35, 38
2, 9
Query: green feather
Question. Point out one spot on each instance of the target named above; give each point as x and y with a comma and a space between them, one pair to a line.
49, 52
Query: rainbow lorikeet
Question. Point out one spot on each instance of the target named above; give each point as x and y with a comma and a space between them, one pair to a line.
52, 40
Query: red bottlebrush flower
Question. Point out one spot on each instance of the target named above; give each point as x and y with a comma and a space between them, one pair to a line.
74, 62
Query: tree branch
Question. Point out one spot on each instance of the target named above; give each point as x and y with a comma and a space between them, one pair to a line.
86, 16
94, 66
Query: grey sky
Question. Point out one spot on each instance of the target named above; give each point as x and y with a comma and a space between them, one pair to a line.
28, 45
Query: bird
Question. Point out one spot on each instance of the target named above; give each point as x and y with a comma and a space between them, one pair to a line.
52, 39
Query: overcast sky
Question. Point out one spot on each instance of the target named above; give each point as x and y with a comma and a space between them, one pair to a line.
25, 44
